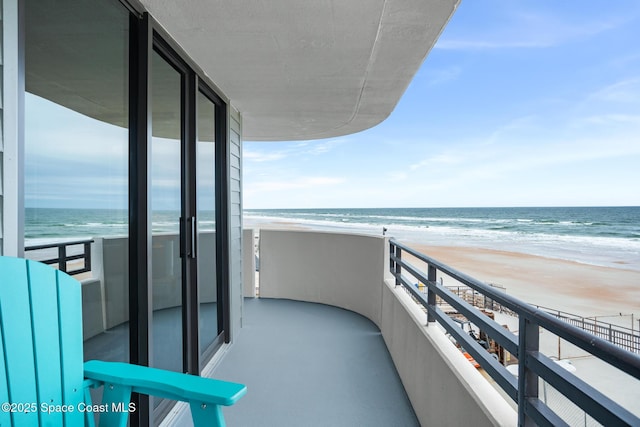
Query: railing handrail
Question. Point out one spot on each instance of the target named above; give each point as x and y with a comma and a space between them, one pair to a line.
62, 257
525, 346
56, 244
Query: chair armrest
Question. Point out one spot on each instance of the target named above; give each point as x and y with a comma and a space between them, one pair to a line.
162, 383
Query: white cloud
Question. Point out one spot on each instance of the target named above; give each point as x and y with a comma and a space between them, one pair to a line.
253, 152
398, 176
324, 146
446, 158
306, 183
626, 91
259, 157
527, 30
443, 75
607, 119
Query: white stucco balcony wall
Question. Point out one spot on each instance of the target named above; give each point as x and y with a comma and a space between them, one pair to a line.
351, 272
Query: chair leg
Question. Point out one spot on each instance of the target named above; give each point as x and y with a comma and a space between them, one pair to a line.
116, 398
89, 419
206, 415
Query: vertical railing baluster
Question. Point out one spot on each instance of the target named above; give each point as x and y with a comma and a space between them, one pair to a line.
392, 253
62, 257
87, 256
431, 296
398, 268
529, 341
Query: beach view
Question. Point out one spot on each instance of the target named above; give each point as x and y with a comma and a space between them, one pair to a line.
579, 263
584, 261
398, 213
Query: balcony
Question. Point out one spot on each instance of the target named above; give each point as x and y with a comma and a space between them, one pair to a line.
342, 336
358, 273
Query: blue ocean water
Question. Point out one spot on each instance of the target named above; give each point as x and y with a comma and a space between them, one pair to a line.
608, 236
45, 225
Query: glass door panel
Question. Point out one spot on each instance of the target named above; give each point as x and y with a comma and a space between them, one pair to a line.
206, 205
166, 207
77, 156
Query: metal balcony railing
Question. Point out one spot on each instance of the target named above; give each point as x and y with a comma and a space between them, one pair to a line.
533, 365
65, 254
627, 338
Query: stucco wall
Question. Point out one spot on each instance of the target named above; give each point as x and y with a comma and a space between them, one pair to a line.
248, 264
444, 388
337, 269
351, 272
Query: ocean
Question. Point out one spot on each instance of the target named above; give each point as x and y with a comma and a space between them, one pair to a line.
607, 236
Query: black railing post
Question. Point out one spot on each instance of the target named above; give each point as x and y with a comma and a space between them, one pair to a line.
392, 254
431, 296
62, 257
398, 265
529, 342
87, 256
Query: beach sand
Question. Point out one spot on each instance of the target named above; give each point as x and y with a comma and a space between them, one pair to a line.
612, 294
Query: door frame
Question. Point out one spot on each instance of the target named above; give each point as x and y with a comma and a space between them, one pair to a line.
146, 37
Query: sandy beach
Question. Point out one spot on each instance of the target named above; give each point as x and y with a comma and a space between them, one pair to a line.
613, 294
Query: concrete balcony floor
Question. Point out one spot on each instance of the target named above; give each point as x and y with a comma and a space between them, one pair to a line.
308, 364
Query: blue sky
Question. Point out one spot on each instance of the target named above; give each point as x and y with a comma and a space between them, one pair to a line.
520, 103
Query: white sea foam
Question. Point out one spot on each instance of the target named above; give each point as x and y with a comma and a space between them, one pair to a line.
595, 250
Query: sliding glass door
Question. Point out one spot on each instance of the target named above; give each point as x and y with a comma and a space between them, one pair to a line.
187, 300
77, 157
123, 144
209, 330
166, 197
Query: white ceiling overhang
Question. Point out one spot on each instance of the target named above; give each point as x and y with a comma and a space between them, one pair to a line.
300, 70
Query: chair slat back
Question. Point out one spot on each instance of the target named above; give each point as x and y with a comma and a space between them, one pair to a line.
41, 326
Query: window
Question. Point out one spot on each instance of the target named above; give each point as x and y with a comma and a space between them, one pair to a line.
147, 208
76, 154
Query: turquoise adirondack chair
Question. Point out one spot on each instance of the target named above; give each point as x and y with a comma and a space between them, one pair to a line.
43, 380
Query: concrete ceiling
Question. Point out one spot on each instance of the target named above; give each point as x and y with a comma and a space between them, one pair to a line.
295, 69
307, 69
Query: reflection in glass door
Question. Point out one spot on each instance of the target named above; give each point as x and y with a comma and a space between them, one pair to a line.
206, 214
166, 207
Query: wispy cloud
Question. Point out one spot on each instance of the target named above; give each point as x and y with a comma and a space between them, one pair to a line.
260, 152
442, 159
306, 183
531, 30
443, 75
398, 176
627, 91
257, 156
607, 119
324, 146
